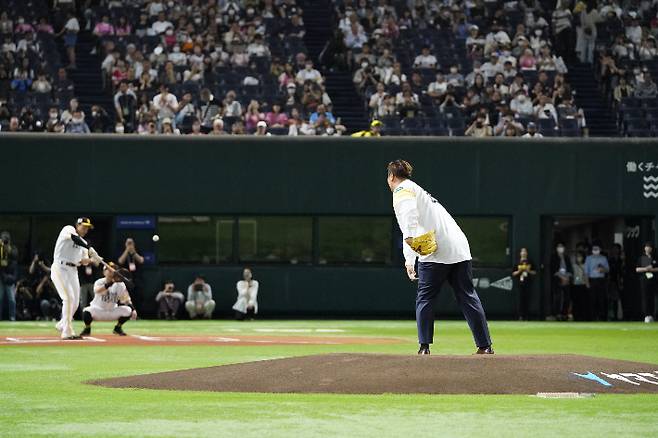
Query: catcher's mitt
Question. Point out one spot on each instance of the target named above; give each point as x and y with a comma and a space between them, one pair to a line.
424, 244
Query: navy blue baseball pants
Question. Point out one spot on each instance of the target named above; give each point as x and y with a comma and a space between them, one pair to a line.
431, 277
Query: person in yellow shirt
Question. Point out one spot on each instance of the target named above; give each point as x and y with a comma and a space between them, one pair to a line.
374, 131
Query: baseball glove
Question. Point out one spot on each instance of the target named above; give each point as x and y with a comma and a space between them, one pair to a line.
424, 244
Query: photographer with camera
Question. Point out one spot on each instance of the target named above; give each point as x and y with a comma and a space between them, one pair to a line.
169, 300
36, 296
199, 299
132, 261
8, 274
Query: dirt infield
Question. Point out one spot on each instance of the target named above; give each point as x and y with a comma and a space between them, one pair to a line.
378, 374
168, 340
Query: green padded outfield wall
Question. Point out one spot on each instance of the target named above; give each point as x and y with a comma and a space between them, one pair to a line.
523, 179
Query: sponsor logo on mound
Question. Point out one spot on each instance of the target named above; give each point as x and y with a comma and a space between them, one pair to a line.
637, 379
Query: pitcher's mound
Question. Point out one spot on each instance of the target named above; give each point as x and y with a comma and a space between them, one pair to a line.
377, 374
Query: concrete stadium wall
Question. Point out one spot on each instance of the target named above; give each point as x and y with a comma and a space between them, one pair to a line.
524, 179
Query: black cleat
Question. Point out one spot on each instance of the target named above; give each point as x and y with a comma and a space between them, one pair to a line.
72, 338
424, 351
485, 350
119, 331
85, 332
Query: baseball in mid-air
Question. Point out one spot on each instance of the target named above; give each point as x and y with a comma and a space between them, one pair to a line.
155, 237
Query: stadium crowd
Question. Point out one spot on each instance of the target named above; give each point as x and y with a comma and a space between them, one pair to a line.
478, 68
215, 67
463, 68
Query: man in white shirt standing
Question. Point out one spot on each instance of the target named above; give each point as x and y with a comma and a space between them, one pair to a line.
418, 213
71, 251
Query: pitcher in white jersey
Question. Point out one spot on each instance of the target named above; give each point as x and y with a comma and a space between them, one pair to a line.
111, 301
417, 213
71, 251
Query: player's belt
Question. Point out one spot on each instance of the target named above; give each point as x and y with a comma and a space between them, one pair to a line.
62, 262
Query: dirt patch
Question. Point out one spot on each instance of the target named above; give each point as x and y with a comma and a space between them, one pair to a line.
378, 374
166, 340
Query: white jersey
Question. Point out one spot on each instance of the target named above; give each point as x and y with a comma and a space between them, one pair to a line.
109, 300
66, 250
418, 212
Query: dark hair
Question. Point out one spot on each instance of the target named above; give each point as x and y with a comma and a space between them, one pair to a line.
400, 169
649, 243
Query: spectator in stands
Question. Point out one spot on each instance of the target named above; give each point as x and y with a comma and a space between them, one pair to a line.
562, 29
67, 114
308, 74
479, 128
647, 268
425, 59
77, 124
169, 300
8, 275
261, 129
63, 86
232, 108
322, 110
161, 25
275, 118
41, 85
355, 38
218, 127
253, 115
532, 131
505, 123
622, 90
545, 109
165, 104
125, 105
208, 109
586, 32
99, 120
199, 302
247, 302
646, 89
14, 124
70, 33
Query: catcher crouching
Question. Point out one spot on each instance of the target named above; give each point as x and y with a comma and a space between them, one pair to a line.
111, 301
431, 234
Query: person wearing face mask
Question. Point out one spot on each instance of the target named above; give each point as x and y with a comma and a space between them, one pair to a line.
161, 24
177, 57
77, 125
647, 268
596, 270
53, 118
523, 274
560, 284
247, 302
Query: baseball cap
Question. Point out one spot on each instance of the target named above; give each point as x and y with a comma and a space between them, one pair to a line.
166, 121
84, 221
261, 124
531, 125
375, 123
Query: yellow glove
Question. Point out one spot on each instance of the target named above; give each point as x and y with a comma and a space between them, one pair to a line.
424, 244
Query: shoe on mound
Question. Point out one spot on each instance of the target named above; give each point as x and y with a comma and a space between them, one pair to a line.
485, 350
424, 350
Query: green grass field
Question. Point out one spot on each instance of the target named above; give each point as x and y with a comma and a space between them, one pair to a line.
42, 391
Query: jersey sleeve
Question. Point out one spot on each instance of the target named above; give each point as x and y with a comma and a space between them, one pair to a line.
122, 293
98, 285
405, 204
